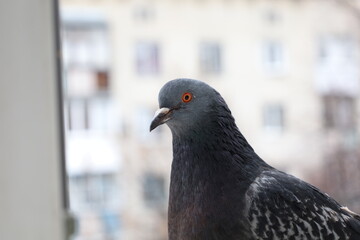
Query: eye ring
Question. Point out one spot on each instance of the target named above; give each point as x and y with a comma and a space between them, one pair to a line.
186, 97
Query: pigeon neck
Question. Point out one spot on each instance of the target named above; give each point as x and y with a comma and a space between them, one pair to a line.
210, 163
216, 134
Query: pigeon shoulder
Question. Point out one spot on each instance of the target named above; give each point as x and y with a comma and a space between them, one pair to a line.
281, 206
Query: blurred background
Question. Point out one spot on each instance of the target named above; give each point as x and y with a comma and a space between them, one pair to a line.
288, 69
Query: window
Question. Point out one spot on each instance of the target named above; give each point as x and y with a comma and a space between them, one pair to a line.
273, 56
93, 114
89, 82
144, 13
93, 190
337, 69
86, 45
210, 58
78, 115
86, 57
102, 80
339, 112
273, 117
272, 16
154, 190
147, 58
336, 49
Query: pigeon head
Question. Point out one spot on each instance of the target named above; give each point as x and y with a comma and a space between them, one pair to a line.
185, 104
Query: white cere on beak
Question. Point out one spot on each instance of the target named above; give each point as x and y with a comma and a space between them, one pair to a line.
161, 111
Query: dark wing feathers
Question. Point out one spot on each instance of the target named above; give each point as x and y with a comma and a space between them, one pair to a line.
353, 220
280, 206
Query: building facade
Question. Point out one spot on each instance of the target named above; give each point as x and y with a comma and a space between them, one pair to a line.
287, 69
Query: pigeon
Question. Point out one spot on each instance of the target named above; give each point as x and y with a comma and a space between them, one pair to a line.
221, 189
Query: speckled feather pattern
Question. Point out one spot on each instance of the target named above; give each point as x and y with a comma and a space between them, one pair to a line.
280, 206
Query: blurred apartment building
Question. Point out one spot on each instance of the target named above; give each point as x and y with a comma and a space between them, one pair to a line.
288, 69
92, 149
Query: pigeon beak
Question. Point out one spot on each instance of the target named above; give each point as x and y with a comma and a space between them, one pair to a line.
161, 116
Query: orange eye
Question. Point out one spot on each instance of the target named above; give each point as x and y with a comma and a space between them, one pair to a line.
187, 97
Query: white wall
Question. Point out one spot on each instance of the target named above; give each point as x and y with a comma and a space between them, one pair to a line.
31, 198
